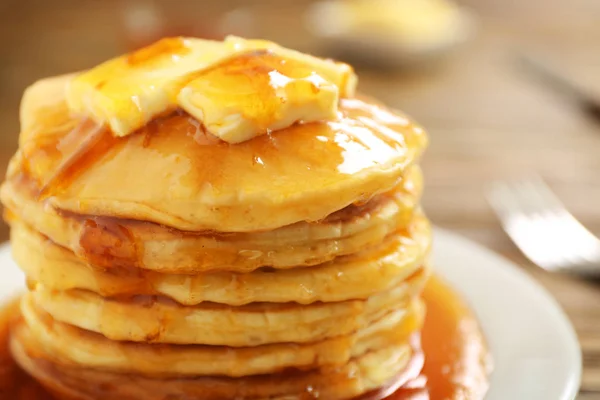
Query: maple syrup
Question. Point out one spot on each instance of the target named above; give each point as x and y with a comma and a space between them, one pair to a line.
456, 362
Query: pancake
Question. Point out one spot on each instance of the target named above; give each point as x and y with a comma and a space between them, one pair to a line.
115, 243
71, 345
158, 320
211, 222
161, 174
356, 276
372, 370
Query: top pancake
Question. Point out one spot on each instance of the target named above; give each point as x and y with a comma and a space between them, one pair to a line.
172, 173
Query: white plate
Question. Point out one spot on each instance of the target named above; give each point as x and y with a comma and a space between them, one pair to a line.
535, 350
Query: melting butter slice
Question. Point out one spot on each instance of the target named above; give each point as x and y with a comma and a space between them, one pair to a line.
256, 93
238, 88
129, 91
340, 74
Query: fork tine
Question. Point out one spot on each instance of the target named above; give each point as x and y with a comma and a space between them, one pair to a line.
514, 210
502, 200
560, 232
540, 195
542, 228
548, 203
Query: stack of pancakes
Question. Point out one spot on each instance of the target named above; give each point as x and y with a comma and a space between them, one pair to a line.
170, 265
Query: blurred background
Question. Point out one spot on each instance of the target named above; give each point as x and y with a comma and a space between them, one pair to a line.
455, 67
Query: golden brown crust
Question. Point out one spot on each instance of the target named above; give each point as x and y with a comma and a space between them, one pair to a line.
355, 276
155, 319
73, 346
351, 380
114, 243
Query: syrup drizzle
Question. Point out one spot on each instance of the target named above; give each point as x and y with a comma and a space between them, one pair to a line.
66, 154
83, 146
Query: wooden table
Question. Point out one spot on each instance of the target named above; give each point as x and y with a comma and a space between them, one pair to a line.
486, 119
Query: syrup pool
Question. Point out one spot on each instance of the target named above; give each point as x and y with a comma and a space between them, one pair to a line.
456, 366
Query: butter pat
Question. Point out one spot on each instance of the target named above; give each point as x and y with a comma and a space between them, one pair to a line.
129, 91
340, 74
253, 94
237, 89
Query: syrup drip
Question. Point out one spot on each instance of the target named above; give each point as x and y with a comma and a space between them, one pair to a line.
67, 155
108, 245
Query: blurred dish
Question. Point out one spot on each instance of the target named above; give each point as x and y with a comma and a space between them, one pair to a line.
536, 353
389, 32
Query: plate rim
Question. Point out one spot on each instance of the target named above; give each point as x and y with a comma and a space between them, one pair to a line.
510, 271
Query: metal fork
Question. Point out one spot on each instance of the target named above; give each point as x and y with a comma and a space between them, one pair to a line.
543, 229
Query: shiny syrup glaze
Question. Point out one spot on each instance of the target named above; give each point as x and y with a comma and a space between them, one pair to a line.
59, 146
457, 363
456, 360
337, 149
69, 158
